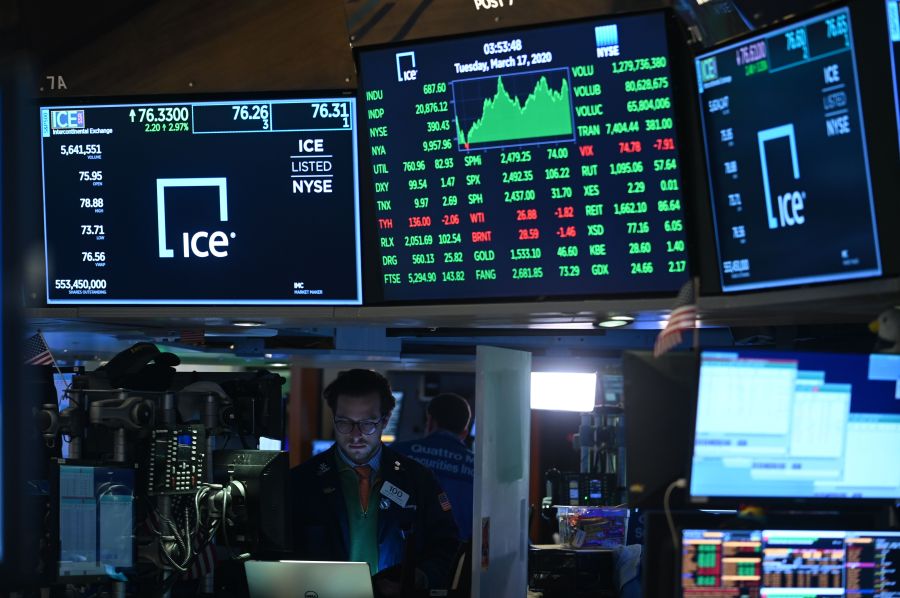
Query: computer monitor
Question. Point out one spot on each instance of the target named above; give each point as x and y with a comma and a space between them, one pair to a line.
239, 201
525, 163
787, 156
756, 563
95, 519
810, 426
310, 579
261, 522
659, 397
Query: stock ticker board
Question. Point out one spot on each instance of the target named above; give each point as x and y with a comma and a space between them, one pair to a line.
786, 156
239, 202
533, 163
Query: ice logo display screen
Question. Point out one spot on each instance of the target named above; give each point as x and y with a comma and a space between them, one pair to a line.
786, 155
531, 163
239, 202
797, 425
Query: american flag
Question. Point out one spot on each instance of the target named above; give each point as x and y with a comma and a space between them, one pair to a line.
445, 502
36, 351
683, 317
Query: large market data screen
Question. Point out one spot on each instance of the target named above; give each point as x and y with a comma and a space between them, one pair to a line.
538, 162
786, 153
238, 202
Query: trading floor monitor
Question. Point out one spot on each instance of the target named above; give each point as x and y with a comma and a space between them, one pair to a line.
95, 509
787, 156
798, 425
768, 563
526, 163
246, 201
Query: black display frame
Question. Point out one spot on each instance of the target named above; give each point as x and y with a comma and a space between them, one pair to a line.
36, 284
691, 163
868, 24
681, 370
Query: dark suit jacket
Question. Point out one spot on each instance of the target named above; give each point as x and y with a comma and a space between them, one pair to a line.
321, 522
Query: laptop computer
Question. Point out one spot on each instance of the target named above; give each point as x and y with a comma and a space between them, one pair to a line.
308, 579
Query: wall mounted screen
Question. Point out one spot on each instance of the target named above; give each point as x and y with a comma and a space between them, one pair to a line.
786, 155
531, 163
760, 563
238, 202
797, 425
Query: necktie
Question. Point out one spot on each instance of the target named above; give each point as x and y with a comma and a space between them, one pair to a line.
363, 471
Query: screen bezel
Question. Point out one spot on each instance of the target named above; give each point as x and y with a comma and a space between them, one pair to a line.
686, 137
879, 143
737, 501
54, 511
38, 294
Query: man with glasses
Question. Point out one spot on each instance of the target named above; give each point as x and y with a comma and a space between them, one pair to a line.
361, 501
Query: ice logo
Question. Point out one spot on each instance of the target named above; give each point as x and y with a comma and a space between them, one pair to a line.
201, 243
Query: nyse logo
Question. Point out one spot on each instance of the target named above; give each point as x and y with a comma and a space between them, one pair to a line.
67, 119
201, 243
606, 39
787, 208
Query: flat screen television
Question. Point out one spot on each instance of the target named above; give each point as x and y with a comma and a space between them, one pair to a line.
787, 159
529, 163
244, 201
796, 425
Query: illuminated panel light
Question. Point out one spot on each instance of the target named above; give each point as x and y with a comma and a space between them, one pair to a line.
563, 391
269, 444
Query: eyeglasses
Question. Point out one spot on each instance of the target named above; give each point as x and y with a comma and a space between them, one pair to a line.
366, 427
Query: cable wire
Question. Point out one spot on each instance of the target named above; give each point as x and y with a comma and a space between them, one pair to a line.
679, 483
